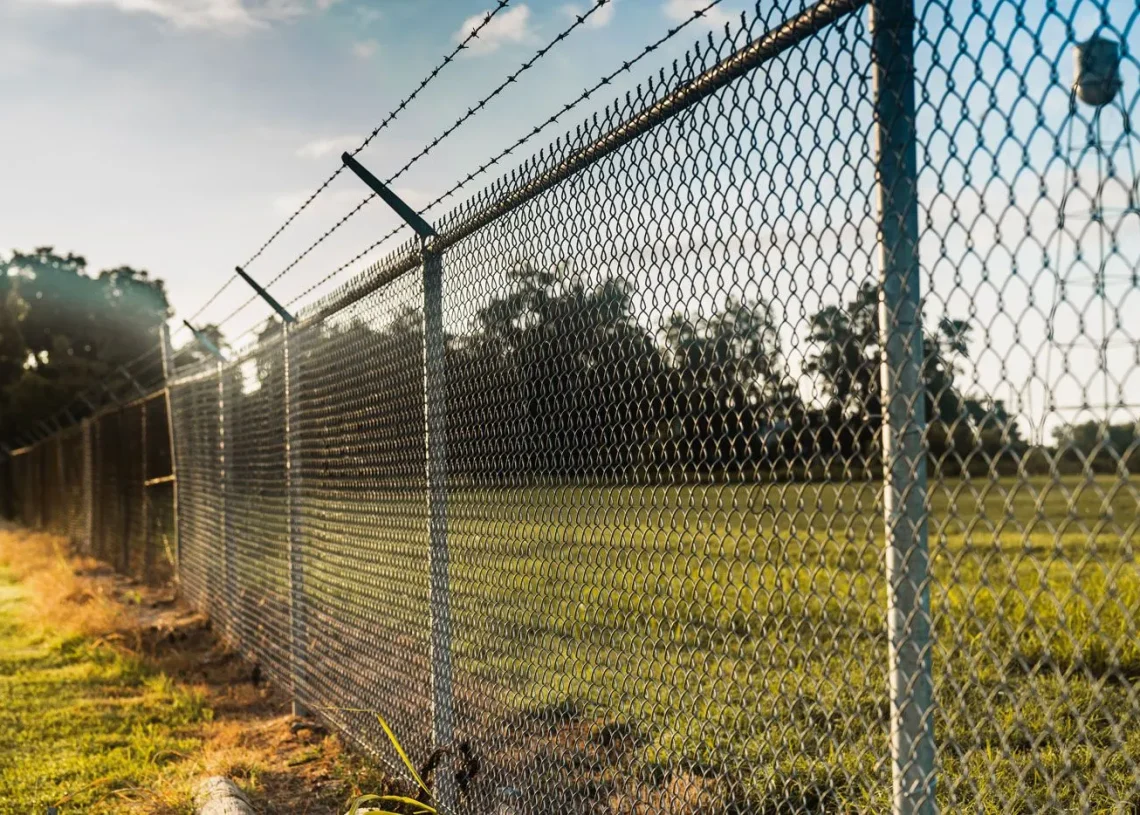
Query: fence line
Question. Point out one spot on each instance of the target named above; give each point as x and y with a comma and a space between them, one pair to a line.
683, 470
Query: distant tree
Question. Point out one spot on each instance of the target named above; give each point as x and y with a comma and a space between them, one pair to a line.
847, 359
1098, 445
64, 331
846, 362
961, 430
729, 401
560, 375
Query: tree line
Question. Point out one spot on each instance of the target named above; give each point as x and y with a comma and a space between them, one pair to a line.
554, 375
66, 331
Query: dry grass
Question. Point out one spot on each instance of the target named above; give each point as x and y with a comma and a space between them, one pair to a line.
59, 595
163, 651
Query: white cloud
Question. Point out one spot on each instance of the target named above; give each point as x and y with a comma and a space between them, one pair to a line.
319, 148
601, 17
228, 15
680, 10
365, 49
511, 26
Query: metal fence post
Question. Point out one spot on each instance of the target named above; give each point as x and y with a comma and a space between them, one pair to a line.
435, 425
147, 565
88, 487
123, 468
904, 458
293, 508
60, 512
167, 375
98, 474
225, 452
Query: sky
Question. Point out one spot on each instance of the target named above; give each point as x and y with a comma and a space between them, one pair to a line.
178, 135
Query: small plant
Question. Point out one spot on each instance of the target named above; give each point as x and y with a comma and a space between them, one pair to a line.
411, 806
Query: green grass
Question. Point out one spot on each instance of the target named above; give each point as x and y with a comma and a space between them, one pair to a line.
82, 727
741, 630
737, 635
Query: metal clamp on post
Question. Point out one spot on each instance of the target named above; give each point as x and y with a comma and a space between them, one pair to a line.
435, 425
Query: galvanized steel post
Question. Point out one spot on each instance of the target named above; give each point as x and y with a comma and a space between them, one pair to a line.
167, 376
293, 504
435, 424
903, 397
225, 452
88, 486
148, 563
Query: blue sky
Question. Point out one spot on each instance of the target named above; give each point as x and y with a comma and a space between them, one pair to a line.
175, 135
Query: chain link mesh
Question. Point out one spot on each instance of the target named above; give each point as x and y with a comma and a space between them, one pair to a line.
106, 486
771, 446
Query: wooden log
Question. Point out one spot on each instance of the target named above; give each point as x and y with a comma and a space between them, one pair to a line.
220, 796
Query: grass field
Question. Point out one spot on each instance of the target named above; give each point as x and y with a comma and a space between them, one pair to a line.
738, 633
713, 648
82, 727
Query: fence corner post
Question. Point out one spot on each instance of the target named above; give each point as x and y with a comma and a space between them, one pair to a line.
435, 424
903, 406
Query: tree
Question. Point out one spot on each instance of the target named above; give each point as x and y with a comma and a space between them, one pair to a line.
1103, 447
847, 362
560, 375
64, 331
729, 401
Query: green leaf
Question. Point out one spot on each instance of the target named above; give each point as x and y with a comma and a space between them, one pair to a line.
364, 799
419, 807
400, 751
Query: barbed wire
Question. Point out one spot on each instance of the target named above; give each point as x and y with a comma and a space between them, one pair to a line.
579, 20
396, 111
625, 67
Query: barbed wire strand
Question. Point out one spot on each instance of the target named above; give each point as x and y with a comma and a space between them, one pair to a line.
579, 20
396, 111
625, 67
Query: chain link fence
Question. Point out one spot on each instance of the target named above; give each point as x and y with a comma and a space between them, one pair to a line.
105, 485
767, 444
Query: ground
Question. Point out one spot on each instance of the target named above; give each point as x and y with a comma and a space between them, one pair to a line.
684, 649
723, 646
117, 699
